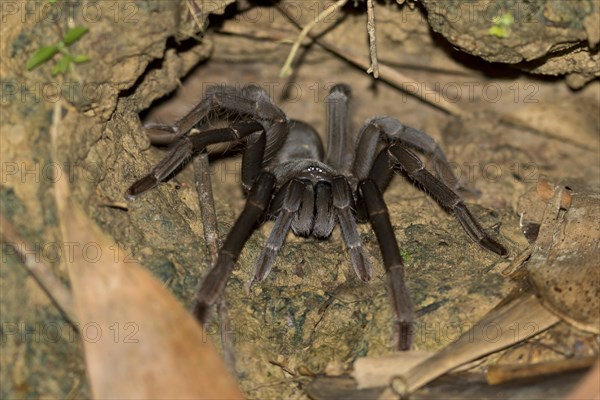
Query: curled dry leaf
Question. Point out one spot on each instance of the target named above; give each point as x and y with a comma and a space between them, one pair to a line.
524, 310
563, 267
589, 386
410, 371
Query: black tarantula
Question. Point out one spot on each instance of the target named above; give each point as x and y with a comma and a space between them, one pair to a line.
290, 179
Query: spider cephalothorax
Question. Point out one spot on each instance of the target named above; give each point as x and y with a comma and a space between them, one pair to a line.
290, 178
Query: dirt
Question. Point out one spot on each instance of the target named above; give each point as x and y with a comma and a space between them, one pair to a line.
311, 315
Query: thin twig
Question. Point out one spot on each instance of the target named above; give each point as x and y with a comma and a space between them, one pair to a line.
195, 11
207, 206
279, 36
39, 270
283, 367
374, 68
500, 374
213, 244
287, 70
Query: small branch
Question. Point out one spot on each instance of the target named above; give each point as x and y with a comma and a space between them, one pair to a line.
207, 206
374, 68
500, 374
287, 70
40, 271
195, 11
213, 244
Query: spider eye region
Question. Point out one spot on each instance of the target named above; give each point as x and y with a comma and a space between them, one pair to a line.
304, 169
315, 173
315, 169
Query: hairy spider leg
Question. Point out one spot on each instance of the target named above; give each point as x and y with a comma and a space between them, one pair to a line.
293, 193
372, 207
250, 104
374, 167
260, 192
324, 221
394, 130
184, 148
252, 158
402, 308
304, 221
407, 161
213, 284
343, 202
382, 129
163, 135
340, 137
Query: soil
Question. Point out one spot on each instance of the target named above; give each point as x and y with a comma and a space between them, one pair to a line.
312, 315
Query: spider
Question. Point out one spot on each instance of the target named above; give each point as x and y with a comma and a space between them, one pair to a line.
289, 177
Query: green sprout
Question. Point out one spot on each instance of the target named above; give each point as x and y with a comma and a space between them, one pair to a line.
63, 64
502, 24
405, 255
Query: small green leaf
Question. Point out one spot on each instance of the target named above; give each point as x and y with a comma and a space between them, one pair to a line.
498, 31
505, 19
405, 255
81, 58
62, 65
41, 56
502, 25
51, 1
74, 34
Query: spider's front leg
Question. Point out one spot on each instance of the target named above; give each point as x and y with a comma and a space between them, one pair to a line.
402, 308
183, 150
392, 129
255, 113
343, 203
213, 284
379, 168
292, 194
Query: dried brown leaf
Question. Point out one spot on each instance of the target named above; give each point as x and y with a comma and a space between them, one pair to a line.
139, 342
